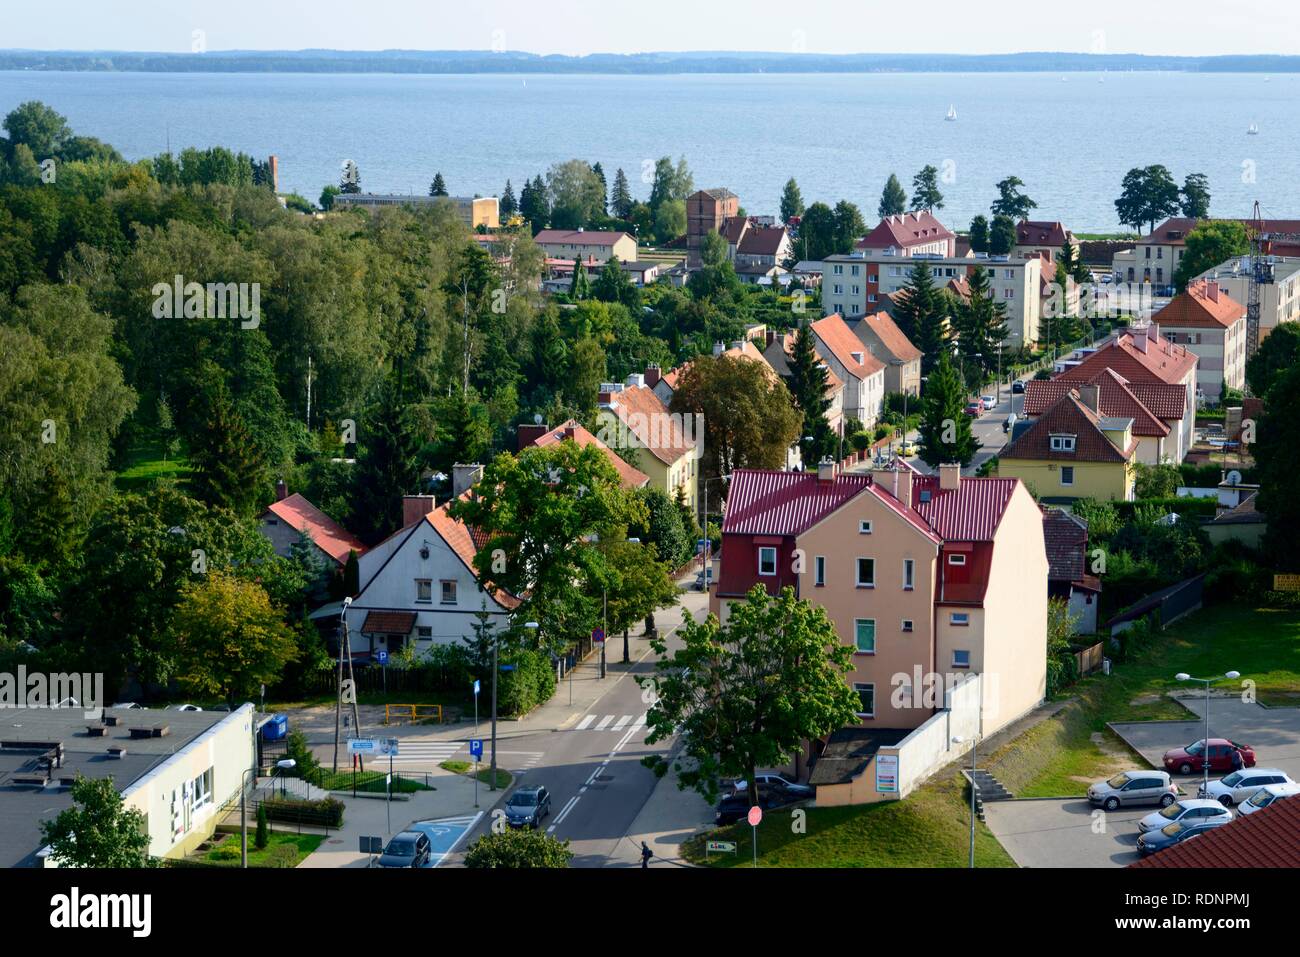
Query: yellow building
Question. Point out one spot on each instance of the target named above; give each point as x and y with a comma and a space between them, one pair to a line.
664, 445
1071, 451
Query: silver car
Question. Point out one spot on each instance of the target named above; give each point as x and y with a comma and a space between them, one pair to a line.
1241, 785
1267, 795
1188, 811
1130, 788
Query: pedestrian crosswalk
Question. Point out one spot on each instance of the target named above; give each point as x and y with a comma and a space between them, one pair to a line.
610, 722
410, 752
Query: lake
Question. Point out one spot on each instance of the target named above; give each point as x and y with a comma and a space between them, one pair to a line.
1070, 139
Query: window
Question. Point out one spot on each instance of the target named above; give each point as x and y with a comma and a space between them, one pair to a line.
201, 790
871, 297
838, 289
1062, 443
907, 624
854, 269
1067, 474
957, 559
767, 561
960, 659
857, 290
864, 527
838, 270
959, 618
1008, 293
448, 592
1008, 274
866, 699
819, 566
424, 633
864, 635
909, 569
424, 589
866, 573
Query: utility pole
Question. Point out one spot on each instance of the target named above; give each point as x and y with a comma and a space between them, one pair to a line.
345, 643
309, 392
496, 640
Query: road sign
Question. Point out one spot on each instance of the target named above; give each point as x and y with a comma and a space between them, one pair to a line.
362, 746
725, 847
1286, 582
755, 815
476, 686
476, 748
371, 845
507, 667
382, 657
597, 635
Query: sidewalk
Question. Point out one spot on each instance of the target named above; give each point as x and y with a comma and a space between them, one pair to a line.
669, 818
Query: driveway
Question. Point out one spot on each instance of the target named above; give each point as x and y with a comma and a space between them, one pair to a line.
1065, 833
1274, 733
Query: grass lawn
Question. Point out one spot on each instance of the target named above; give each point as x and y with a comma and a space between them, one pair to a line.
929, 828
1065, 753
371, 782
484, 774
149, 463
282, 850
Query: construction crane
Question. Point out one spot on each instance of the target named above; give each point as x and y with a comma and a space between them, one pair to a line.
1261, 273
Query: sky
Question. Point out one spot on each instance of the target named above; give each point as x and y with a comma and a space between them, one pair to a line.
579, 27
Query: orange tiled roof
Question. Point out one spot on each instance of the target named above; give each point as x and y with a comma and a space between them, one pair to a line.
1203, 305
890, 336
836, 335
629, 475
646, 417
1068, 416
327, 535
465, 543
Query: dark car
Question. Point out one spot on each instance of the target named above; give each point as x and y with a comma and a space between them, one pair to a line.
1175, 833
735, 806
1192, 758
1017, 388
527, 806
408, 849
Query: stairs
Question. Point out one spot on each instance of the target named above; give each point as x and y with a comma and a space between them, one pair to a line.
987, 788
292, 788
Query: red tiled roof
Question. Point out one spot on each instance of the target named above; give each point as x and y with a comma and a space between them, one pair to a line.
886, 331
733, 229
959, 287
1158, 360
1202, 305
328, 535
1270, 837
762, 241
580, 237
1067, 416
629, 475
388, 623
646, 417
905, 231
1030, 232
1115, 397
466, 543
969, 513
1066, 537
836, 335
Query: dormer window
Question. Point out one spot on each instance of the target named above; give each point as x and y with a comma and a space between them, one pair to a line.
857, 357
1063, 443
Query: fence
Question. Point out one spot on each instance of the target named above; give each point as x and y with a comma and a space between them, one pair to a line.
1088, 660
412, 712
1163, 607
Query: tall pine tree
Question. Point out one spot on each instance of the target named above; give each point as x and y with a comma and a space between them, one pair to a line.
228, 470
604, 187
808, 390
920, 315
893, 201
791, 201
945, 426
509, 206
981, 327
620, 200
438, 187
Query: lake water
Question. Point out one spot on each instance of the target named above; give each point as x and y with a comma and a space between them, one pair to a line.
840, 135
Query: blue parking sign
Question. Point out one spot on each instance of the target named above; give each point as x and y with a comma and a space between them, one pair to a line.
476, 748
476, 686
382, 656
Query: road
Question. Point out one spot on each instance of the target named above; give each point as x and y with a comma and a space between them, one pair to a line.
987, 430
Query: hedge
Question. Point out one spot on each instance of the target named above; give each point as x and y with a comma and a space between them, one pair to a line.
326, 812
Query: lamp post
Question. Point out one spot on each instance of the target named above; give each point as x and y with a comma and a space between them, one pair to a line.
243, 816
1205, 751
496, 643
626, 657
958, 739
285, 764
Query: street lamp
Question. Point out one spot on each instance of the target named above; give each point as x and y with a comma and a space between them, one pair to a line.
1205, 752
284, 764
626, 658
496, 642
974, 743
243, 816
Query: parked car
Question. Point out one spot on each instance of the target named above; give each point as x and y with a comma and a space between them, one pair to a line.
1192, 758
407, 849
796, 790
735, 805
1129, 788
1017, 388
1188, 811
1266, 796
129, 706
527, 807
910, 449
703, 579
184, 707
974, 409
1174, 833
988, 401
1241, 785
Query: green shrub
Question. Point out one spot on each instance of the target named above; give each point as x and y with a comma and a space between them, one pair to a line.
518, 849
326, 812
282, 855
227, 851
296, 748
263, 828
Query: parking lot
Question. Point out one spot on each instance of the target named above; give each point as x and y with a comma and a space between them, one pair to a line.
1063, 833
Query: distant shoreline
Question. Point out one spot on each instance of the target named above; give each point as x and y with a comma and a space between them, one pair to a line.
723, 63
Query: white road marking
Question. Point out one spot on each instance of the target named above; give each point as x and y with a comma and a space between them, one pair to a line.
621, 723
559, 818
604, 721
640, 722
582, 725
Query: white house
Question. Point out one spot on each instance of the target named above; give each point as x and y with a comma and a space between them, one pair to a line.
419, 585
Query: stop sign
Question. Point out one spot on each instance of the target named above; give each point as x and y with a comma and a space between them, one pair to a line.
755, 815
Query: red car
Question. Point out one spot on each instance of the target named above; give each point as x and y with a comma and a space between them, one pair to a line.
1192, 758
974, 409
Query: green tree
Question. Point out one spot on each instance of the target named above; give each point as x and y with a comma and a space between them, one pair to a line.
1147, 194
99, 831
849, 226
893, 201
614, 285
579, 287
577, 194
808, 391
817, 232
925, 190
263, 835
671, 183
1011, 201
620, 199
1062, 628
1278, 352
535, 204
1157, 481
1208, 245
439, 186
981, 327
1194, 197
33, 124
920, 314
604, 187
945, 427
518, 849
1072, 263
791, 201
228, 471
326, 201
388, 464
748, 694
979, 234
1277, 468
1002, 235
508, 205
670, 220
663, 526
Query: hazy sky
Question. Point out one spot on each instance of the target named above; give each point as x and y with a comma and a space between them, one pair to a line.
1193, 27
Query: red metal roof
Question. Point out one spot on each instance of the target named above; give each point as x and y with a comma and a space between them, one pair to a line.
1270, 837
905, 231
762, 502
969, 513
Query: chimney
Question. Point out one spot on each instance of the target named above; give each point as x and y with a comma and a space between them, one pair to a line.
530, 433
635, 379
652, 376
769, 336
464, 477
415, 507
949, 476
275, 173
1140, 342
1090, 395
1212, 291
896, 482
281, 491
719, 348
738, 344
826, 471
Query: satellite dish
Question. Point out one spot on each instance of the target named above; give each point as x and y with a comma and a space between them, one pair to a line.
1233, 478
537, 418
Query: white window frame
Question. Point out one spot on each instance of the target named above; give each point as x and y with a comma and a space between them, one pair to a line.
424, 591
1063, 443
819, 571
857, 572
442, 591
909, 574
908, 626
860, 686
864, 526
420, 633
959, 619
857, 647
957, 558
960, 651
763, 551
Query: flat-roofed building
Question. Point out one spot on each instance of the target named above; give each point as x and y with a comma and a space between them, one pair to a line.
473, 211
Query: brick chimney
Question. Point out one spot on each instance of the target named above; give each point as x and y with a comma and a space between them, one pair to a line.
529, 434
826, 470
415, 507
1090, 395
949, 476
769, 337
281, 491
1212, 291
652, 376
895, 482
275, 173
464, 477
